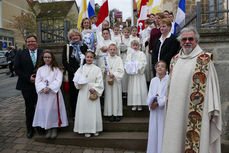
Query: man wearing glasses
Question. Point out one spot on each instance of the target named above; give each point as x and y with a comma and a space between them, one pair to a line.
25, 67
193, 110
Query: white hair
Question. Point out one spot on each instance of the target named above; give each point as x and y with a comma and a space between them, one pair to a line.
188, 29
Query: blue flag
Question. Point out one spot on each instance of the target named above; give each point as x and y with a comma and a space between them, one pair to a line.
91, 8
180, 17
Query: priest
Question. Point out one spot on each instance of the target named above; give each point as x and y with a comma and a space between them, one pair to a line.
193, 122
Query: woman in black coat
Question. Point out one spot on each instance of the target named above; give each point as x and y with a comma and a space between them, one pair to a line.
166, 46
72, 63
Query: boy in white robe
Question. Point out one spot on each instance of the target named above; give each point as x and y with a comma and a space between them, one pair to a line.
117, 37
50, 111
88, 118
145, 48
135, 68
105, 25
156, 101
102, 47
113, 71
124, 47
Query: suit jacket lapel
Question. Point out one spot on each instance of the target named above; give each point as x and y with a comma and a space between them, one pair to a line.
28, 56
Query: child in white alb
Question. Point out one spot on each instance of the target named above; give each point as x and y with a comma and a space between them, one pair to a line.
113, 74
89, 80
124, 47
145, 48
50, 112
156, 101
117, 37
135, 68
102, 46
134, 32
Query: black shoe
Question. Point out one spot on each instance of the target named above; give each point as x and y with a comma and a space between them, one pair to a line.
111, 118
12, 75
117, 118
40, 131
124, 95
29, 134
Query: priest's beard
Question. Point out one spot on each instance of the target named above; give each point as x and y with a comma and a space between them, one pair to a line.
187, 51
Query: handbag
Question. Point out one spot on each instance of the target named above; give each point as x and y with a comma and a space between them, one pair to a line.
110, 81
65, 77
93, 96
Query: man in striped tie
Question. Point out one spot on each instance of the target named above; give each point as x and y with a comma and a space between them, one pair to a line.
25, 67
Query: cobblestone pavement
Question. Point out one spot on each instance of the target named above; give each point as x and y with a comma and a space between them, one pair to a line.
13, 138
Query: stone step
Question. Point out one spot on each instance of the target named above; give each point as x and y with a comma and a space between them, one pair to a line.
127, 124
136, 141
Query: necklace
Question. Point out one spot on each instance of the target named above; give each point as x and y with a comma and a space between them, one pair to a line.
111, 62
87, 70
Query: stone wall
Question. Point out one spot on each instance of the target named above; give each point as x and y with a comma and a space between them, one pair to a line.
216, 41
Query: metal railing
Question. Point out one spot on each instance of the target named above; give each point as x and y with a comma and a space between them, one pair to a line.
54, 32
218, 17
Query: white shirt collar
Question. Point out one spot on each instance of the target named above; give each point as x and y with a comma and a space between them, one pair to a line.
169, 34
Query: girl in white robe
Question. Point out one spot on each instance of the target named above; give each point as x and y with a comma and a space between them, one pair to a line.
102, 47
156, 101
135, 68
113, 69
134, 32
88, 117
50, 111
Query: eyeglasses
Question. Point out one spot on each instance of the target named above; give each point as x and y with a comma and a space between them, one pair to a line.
160, 66
30, 42
48, 57
189, 39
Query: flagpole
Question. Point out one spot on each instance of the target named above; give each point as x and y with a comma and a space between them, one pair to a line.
132, 13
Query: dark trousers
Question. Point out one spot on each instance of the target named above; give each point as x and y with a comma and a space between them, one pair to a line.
73, 92
30, 97
11, 68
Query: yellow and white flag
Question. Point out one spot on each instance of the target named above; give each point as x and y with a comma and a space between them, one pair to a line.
139, 4
82, 13
155, 6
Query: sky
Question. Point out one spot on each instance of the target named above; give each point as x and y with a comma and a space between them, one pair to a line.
121, 5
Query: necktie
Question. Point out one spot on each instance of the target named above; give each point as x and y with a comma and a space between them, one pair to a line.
33, 58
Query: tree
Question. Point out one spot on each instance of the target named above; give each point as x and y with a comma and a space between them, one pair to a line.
26, 24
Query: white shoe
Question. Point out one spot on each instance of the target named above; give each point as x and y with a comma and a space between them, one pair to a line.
139, 108
87, 135
134, 108
96, 134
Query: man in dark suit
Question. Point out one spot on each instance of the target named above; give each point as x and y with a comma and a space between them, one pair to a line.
25, 67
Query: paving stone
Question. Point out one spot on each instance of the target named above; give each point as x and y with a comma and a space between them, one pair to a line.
77, 151
88, 151
19, 146
22, 151
129, 152
99, 151
8, 151
49, 149
119, 151
38, 148
109, 151
21, 140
